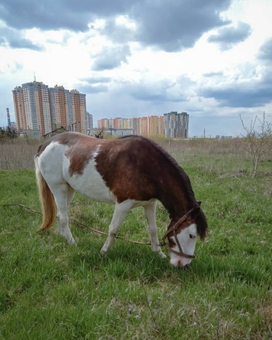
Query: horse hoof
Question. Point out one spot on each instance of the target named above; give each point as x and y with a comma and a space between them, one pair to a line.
72, 242
162, 255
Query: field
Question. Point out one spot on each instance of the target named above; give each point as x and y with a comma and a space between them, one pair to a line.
50, 290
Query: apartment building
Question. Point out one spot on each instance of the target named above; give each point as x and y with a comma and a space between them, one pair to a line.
89, 123
19, 108
61, 107
38, 107
176, 124
32, 108
79, 111
171, 125
156, 126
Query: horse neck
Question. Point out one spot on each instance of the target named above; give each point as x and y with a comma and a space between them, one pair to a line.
176, 200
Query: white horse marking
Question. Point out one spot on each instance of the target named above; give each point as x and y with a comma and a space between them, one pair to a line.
187, 240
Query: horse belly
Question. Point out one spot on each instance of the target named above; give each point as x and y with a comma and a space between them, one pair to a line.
90, 184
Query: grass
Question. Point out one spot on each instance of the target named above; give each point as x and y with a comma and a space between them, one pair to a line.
50, 290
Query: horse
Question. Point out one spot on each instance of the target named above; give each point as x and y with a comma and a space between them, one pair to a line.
129, 171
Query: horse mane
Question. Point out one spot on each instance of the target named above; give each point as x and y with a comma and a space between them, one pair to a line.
200, 219
183, 175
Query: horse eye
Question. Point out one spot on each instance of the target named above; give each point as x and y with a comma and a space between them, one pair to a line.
191, 236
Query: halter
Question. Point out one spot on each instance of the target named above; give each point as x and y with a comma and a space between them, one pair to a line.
174, 228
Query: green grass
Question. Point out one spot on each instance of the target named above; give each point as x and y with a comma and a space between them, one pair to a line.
50, 290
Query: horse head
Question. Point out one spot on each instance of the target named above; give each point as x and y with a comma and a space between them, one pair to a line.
182, 235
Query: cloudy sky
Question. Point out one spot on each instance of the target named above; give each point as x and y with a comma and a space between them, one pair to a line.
210, 58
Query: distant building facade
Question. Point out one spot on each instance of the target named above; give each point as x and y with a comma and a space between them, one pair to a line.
19, 108
171, 125
32, 107
61, 107
120, 132
89, 123
146, 126
79, 111
38, 107
176, 124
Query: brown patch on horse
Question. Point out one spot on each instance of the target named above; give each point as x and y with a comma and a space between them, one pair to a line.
80, 149
80, 155
134, 171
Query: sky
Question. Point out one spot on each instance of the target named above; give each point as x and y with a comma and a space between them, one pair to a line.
209, 58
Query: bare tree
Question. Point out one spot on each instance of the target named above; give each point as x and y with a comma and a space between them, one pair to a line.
258, 140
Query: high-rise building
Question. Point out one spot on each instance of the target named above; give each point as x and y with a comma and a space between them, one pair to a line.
176, 125
104, 123
61, 108
38, 107
32, 109
156, 126
89, 122
118, 123
19, 108
79, 111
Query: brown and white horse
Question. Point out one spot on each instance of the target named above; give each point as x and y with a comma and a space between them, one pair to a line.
128, 172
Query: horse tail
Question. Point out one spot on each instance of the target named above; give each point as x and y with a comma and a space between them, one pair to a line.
47, 200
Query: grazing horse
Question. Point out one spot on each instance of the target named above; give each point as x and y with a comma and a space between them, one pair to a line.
128, 172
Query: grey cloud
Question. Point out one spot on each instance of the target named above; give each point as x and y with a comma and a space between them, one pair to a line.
265, 51
111, 57
24, 43
174, 25
117, 33
92, 88
227, 37
185, 82
96, 79
247, 95
52, 14
156, 91
94, 84
14, 39
213, 74
171, 25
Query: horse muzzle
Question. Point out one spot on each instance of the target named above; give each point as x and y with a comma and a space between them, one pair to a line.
179, 261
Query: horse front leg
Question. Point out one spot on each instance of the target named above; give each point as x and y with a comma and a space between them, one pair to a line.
119, 215
150, 214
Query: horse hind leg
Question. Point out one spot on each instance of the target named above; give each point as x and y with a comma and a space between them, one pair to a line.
63, 196
150, 214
